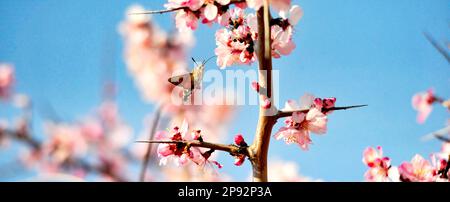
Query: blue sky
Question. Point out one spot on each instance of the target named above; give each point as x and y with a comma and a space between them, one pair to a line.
362, 52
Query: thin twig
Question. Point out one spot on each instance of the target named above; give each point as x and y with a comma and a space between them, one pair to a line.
282, 114
442, 138
159, 11
149, 147
438, 47
232, 149
22, 137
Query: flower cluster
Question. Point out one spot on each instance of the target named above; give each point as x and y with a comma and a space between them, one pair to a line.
182, 153
298, 127
417, 170
380, 169
236, 42
6, 80
208, 11
69, 146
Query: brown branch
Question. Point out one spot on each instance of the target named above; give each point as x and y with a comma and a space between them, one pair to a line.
259, 150
438, 47
232, 149
282, 114
24, 137
149, 148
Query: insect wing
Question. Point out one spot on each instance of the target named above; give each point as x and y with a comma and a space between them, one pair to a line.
183, 81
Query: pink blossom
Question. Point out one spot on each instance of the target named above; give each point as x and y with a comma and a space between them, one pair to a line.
298, 127
422, 103
206, 10
211, 10
293, 15
382, 174
292, 133
203, 159
186, 20
191, 4
6, 79
372, 157
92, 130
380, 169
325, 104
239, 160
66, 142
282, 31
182, 154
282, 41
418, 170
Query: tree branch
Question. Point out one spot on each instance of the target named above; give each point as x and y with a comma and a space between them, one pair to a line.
282, 114
260, 148
149, 148
24, 137
232, 149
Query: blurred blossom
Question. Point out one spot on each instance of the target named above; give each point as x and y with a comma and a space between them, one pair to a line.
286, 171
152, 55
21, 101
108, 113
192, 173
6, 80
65, 143
423, 103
